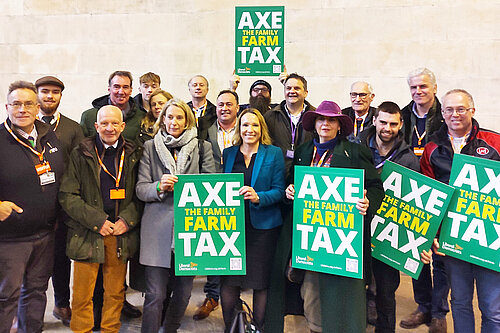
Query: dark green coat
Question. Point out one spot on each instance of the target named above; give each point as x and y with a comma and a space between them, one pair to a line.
343, 300
80, 196
132, 121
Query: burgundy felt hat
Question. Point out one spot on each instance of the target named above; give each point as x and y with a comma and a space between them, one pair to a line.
328, 109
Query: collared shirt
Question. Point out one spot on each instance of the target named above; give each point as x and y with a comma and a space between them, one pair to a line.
362, 123
420, 129
198, 112
106, 146
54, 118
224, 138
295, 118
33, 133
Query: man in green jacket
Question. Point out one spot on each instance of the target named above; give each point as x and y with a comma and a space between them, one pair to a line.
98, 194
120, 90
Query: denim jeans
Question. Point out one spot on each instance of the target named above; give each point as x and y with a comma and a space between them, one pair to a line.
212, 287
387, 282
432, 295
157, 280
462, 275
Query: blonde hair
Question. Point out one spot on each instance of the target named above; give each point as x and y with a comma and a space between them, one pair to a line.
265, 138
149, 121
188, 113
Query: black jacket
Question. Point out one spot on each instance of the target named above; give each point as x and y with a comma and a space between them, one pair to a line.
401, 153
208, 119
438, 153
352, 114
20, 184
278, 123
432, 124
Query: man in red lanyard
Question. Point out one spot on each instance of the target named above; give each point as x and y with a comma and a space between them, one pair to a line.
203, 109
31, 167
421, 118
69, 132
386, 142
98, 194
360, 111
220, 136
461, 134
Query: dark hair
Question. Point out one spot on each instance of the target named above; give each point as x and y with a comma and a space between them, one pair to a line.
227, 91
388, 107
21, 85
297, 77
120, 73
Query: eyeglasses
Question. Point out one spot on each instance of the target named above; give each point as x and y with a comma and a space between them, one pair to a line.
258, 90
27, 105
459, 110
361, 95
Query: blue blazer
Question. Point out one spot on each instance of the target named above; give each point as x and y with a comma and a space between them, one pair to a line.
268, 180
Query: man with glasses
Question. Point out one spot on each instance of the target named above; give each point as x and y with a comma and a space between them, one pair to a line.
30, 172
461, 135
421, 118
360, 110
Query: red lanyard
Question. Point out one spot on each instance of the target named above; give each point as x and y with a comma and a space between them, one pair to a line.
321, 162
120, 167
57, 121
420, 137
40, 155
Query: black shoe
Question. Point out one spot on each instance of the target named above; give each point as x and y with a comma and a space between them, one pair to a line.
130, 311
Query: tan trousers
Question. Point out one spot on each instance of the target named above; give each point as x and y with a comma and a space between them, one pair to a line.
84, 278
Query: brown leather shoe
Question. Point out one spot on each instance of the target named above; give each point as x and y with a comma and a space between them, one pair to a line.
438, 325
415, 319
204, 310
63, 314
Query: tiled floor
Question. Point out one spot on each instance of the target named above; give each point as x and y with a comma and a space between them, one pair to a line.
293, 324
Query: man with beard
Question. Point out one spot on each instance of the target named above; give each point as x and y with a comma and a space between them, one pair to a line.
260, 95
386, 142
360, 111
69, 133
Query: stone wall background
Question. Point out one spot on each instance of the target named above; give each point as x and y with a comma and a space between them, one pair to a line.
331, 42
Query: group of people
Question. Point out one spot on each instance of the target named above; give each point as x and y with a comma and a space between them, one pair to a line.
101, 194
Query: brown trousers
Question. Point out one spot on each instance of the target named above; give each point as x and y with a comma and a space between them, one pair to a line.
84, 277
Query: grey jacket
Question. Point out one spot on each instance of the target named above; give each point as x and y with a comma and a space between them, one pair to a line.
157, 222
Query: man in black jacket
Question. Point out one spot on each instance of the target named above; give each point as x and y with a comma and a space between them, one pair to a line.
385, 140
422, 118
30, 172
69, 132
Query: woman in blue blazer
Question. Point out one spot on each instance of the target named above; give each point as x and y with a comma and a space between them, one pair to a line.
263, 167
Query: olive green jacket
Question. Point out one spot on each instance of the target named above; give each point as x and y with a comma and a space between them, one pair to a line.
80, 196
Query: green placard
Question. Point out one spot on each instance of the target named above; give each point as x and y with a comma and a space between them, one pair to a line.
209, 225
408, 218
327, 227
471, 228
259, 40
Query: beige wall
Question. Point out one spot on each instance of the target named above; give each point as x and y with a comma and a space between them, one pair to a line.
331, 42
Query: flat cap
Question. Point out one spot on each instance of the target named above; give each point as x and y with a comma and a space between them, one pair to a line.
49, 80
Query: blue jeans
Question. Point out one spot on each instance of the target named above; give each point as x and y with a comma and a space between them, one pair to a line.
432, 297
462, 275
212, 287
157, 281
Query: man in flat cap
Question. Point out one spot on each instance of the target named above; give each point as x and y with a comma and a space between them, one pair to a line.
69, 133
